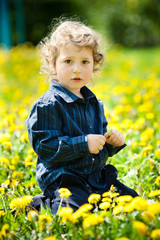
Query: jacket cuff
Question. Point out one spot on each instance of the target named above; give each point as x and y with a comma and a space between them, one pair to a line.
80, 144
113, 149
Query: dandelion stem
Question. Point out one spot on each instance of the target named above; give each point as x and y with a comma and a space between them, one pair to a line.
63, 236
4, 203
60, 204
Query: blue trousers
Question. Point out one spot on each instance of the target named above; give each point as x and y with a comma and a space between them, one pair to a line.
80, 189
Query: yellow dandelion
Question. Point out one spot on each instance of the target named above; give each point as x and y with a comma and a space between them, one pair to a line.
2, 190
106, 194
27, 199
44, 219
146, 135
14, 183
157, 153
128, 207
117, 210
154, 208
154, 193
12, 167
64, 192
104, 205
92, 220
155, 234
106, 199
148, 216
23, 113
4, 160
114, 195
20, 202
28, 160
149, 132
12, 128
137, 98
139, 124
150, 115
50, 238
19, 126
15, 160
151, 164
158, 181
140, 227
123, 199
32, 152
24, 137
139, 203
94, 198
112, 188
66, 214
83, 209
31, 184
5, 137
10, 118
148, 148
6, 183
17, 174
17, 203
147, 107
8, 145
5, 230
2, 213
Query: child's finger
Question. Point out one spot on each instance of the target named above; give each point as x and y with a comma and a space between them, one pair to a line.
108, 134
102, 142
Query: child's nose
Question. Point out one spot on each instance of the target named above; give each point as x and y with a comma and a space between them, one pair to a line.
77, 72
76, 69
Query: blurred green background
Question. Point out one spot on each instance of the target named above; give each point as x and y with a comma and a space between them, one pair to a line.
131, 23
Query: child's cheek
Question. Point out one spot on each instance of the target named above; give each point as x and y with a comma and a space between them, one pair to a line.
89, 73
64, 72
66, 69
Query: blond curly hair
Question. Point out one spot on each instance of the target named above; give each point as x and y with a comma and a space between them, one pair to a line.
69, 32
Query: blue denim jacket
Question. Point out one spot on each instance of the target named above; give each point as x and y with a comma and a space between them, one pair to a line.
58, 125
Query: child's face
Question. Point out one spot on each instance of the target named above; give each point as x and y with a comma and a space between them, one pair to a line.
74, 67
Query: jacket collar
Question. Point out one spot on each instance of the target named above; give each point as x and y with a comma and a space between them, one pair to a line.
68, 96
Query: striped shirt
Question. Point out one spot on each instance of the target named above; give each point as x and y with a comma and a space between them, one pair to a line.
58, 125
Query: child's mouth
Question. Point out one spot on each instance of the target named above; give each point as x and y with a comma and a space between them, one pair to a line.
76, 79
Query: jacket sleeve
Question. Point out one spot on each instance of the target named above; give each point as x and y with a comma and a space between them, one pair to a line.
110, 148
45, 126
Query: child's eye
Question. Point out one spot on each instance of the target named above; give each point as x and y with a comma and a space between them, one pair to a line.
68, 61
85, 62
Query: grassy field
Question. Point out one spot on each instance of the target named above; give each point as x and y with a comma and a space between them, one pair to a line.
129, 86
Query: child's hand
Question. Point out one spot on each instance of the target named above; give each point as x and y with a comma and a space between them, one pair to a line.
95, 142
114, 138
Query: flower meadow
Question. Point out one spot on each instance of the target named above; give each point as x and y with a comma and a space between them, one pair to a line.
129, 86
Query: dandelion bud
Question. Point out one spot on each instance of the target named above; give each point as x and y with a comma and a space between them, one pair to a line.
32, 216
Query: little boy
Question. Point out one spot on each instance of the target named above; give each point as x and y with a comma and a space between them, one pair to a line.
67, 126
